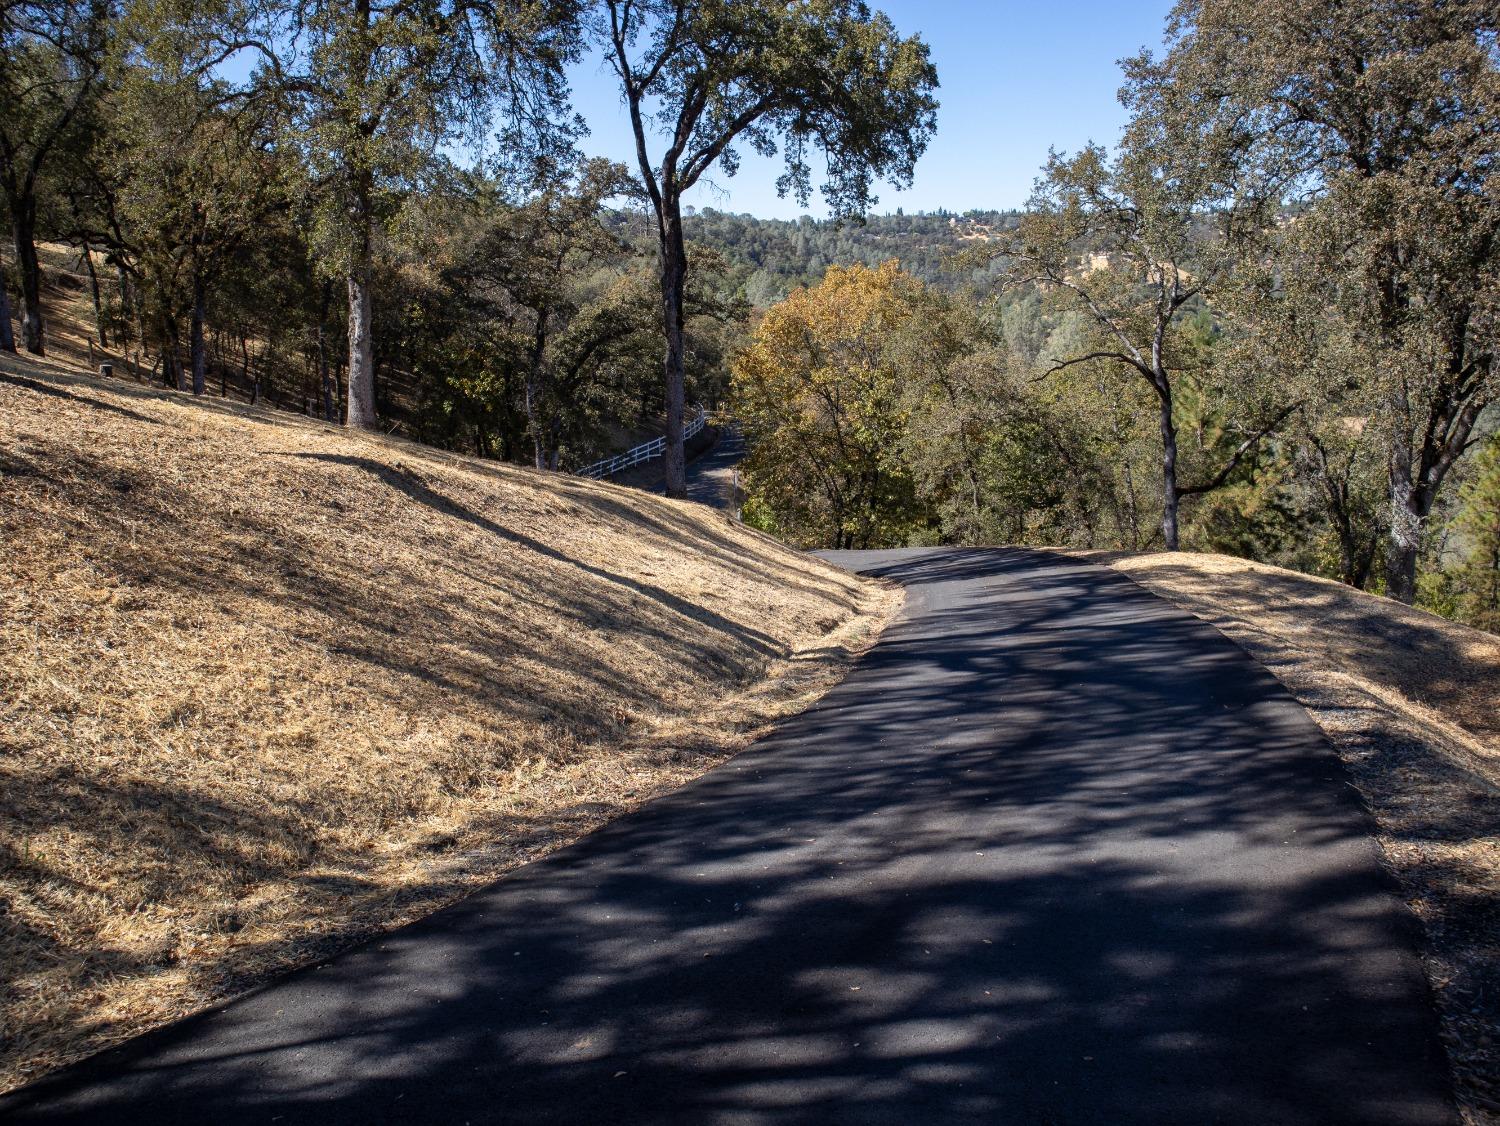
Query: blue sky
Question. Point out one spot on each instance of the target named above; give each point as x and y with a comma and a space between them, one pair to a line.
1016, 79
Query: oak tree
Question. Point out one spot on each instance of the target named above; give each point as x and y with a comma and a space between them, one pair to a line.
821, 393
1378, 119
712, 76
54, 55
1131, 245
380, 86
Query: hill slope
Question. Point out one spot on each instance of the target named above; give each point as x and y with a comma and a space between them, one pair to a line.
268, 685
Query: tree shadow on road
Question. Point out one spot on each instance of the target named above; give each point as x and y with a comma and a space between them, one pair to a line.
1081, 862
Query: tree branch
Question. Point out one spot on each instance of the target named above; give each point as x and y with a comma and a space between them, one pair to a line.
1119, 356
1244, 447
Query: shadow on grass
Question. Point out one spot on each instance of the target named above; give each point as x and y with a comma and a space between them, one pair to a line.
1054, 853
446, 641
418, 490
83, 400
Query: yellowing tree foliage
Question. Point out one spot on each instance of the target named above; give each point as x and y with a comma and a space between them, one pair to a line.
820, 395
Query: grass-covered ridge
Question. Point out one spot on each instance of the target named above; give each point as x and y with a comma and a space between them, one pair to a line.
269, 685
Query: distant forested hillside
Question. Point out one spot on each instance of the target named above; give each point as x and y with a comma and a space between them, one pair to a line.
774, 256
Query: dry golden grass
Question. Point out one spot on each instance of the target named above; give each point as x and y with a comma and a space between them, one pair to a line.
69, 308
1412, 703
268, 686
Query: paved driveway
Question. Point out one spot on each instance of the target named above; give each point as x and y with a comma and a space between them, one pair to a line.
1055, 853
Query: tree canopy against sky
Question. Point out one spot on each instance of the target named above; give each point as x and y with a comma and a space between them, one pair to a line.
1378, 119
714, 77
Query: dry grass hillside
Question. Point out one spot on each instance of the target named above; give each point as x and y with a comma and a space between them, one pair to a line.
1411, 702
68, 307
267, 686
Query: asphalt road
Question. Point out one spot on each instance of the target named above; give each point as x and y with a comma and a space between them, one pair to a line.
712, 477
1054, 853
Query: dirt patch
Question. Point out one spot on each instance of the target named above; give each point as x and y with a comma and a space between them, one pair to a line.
1411, 701
269, 686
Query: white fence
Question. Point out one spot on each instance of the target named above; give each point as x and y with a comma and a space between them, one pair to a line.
646, 451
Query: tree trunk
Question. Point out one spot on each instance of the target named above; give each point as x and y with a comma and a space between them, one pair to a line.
196, 341
325, 375
1356, 549
23, 226
1364, 561
122, 326
252, 385
1348, 566
360, 412
361, 350
1409, 510
131, 305
7, 334
178, 371
535, 387
673, 291
88, 262
1401, 573
173, 374
324, 371
1169, 497
534, 423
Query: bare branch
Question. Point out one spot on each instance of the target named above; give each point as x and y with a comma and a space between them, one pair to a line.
1120, 357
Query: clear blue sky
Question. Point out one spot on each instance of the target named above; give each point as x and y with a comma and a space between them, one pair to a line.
1015, 79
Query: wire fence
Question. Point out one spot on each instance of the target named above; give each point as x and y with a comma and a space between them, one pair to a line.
646, 451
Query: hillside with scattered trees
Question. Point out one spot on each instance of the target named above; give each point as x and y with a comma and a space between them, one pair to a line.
385, 205
1264, 324
308, 311
771, 257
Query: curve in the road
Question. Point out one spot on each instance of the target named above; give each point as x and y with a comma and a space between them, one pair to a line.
1055, 852
713, 479
712, 476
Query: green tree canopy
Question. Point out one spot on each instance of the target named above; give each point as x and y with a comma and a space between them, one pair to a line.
713, 75
1378, 119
